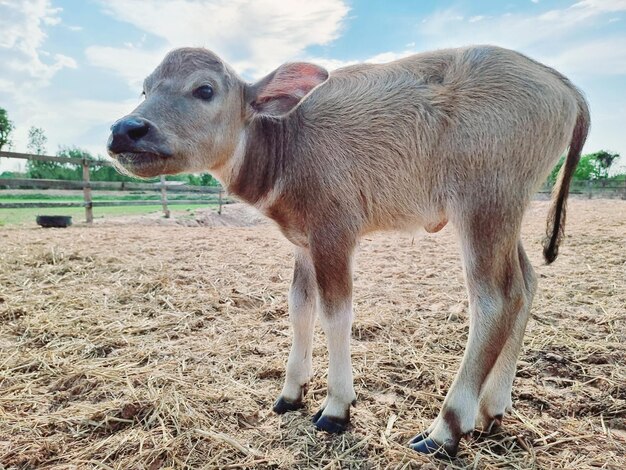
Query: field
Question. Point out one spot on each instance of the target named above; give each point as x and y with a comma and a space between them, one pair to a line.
162, 346
26, 216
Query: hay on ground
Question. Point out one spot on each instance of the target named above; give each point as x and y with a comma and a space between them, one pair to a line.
125, 346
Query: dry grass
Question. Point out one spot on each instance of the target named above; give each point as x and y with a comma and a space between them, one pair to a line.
163, 347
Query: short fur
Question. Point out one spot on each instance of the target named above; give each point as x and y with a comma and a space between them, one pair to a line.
462, 135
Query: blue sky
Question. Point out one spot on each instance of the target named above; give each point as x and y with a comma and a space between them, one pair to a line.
72, 67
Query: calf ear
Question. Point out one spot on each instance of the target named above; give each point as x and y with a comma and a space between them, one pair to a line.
282, 90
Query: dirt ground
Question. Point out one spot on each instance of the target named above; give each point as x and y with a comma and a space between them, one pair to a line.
163, 346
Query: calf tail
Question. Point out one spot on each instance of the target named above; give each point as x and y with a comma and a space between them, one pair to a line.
556, 218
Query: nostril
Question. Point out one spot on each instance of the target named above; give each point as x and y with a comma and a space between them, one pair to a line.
137, 133
130, 128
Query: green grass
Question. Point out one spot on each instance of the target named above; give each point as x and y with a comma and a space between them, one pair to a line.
95, 197
27, 216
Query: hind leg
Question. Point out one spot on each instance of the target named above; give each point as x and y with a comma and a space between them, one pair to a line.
496, 289
495, 397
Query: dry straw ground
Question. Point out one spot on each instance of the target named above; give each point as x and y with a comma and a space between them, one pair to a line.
125, 346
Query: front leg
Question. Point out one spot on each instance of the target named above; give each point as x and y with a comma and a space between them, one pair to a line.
333, 269
302, 312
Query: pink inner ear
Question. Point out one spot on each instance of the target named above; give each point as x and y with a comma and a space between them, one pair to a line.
294, 80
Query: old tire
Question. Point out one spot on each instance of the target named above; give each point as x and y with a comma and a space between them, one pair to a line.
58, 221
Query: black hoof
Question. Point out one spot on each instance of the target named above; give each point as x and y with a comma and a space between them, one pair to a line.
282, 406
495, 424
429, 447
420, 437
493, 428
330, 424
317, 415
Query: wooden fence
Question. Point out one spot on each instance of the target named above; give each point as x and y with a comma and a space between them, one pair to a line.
163, 187
586, 188
593, 189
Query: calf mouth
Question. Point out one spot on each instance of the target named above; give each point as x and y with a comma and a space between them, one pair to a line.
142, 164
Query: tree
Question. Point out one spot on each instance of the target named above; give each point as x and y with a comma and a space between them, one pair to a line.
205, 179
6, 127
96, 173
37, 145
604, 160
593, 166
75, 172
37, 141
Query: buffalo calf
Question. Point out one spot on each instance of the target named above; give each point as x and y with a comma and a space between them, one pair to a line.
461, 135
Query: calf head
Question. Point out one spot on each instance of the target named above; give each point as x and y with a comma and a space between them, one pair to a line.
196, 110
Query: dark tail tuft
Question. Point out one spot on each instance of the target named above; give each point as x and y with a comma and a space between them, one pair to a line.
556, 218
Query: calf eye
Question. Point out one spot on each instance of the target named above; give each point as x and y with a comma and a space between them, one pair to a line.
205, 92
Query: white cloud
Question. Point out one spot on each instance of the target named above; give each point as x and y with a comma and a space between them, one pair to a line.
22, 34
254, 36
474, 19
388, 56
382, 58
27, 68
581, 11
330, 64
602, 5
597, 57
557, 36
131, 63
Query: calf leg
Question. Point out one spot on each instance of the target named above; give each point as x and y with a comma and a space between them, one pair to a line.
302, 312
333, 268
495, 398
496, 289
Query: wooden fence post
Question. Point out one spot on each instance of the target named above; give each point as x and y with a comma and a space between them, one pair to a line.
219, 208
87, 193
166, 211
